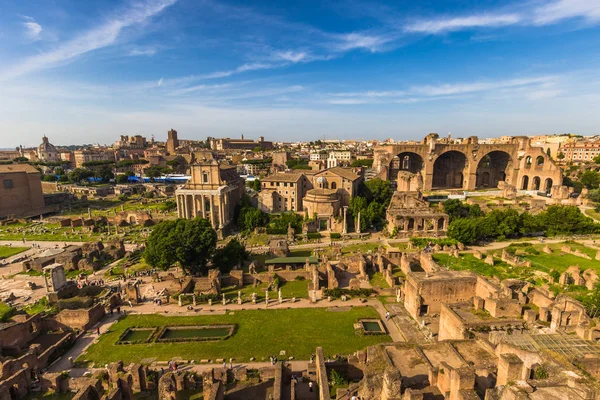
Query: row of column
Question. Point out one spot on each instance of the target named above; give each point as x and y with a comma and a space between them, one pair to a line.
187, 207
439, 224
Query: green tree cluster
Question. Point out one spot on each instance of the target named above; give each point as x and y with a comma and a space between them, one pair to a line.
503, 224
372, 201
249, 217
189, 243
296, 163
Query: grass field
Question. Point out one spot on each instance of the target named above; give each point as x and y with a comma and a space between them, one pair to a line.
7, 251
298, 289
259, 334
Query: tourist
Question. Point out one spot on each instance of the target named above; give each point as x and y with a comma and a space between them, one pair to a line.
387, 315
310, 385
98, 330
119, 310
225, 364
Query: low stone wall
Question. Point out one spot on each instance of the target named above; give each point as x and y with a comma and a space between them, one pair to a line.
576, 252
82, 319
322, 380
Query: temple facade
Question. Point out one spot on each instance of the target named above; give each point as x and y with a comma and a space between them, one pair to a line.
212, 192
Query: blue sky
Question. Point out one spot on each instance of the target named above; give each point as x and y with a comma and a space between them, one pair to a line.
88, 71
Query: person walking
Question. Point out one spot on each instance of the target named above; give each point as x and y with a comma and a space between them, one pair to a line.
310, 386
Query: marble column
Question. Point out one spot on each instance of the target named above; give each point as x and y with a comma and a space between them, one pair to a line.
344, 229
185, 206
212, 213
194, 206
179, 207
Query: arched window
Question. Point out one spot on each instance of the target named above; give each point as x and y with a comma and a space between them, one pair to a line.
333, 185
406, 163
528, 160
525, 183
539, 161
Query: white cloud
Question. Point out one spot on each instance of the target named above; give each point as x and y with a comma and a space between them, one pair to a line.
291, 56
462, 88
441, 25
33, 29
97, 38
160, 82
351, 41
348, 102
150, 51
562, 9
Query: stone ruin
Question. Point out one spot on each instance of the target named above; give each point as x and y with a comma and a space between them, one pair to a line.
279, 247
514, 260
573, 276
576, 252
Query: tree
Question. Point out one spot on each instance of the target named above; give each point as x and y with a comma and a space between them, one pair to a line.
230, 255
122, 178
251, 218
104, 173
189, 243
379, 191
590, 179
594, 195
548, 152
465, 230
560, 220
457, 209
79, 174
178, 164
156, 171
560, 155
597, 159
256, 185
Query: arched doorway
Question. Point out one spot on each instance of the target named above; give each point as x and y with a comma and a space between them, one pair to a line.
548, 185
525, 184
448, 170
491, 169
406, 161
536, 183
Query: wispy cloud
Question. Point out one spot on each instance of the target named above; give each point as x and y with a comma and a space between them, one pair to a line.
441, 25
148, 51
94, 39
461, 88
291, 56
357, 40
531, 14
533, 88
33, 30
563, 9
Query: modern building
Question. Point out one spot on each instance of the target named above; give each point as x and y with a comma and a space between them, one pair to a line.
212, 192
339, 158
581, 151
85, 156
20, 191
283, 192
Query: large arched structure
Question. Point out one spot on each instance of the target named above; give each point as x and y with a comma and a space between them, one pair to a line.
405, 161
449, 170
485, 164
492, 168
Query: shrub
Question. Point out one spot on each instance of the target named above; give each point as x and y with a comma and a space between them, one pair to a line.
335, 235
314, 235
299, 278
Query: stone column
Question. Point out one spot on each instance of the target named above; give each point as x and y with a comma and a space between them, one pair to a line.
179, 207
185, 206
358, 223
212, 213
202, 206
194, 206
221, 213
344, 229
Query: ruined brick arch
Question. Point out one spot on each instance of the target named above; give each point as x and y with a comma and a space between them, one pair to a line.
539, 161
536, 183
405, 161
548, 185
525, 183
449, 170
493, 167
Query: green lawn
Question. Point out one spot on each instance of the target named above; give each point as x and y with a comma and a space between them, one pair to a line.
469, 263
377, 280
259, 334
7, 251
